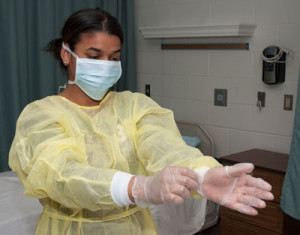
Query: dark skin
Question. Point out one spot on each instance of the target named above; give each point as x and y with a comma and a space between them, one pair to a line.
98, 46
95, 45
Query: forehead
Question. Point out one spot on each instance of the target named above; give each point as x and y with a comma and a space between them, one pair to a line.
100, 40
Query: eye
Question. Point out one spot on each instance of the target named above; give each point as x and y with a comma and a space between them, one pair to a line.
115, 59
93, 57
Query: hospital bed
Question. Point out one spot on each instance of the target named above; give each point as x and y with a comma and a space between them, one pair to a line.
193, 215
19, 213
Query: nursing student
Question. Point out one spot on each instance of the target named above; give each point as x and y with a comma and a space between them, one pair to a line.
96, 159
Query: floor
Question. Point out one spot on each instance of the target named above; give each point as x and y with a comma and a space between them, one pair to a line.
214, 230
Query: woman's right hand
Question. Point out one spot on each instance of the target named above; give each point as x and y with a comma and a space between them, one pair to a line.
172, 184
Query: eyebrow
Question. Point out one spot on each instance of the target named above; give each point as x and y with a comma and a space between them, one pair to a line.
98, 50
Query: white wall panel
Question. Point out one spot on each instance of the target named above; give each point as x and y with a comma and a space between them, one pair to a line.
283, 144
151, 62
231, 64
192, 14
193, 111
289, 36
167, 63
153, 80
242, 141
144, 79
264, 35
190, 63
242, 91
232, 116
202, 88
273, 121
232, 11
176, 87
220, 136
163, 102
277, 11
184, 80
292, 69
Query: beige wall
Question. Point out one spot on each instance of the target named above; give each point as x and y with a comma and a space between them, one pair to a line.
184, 81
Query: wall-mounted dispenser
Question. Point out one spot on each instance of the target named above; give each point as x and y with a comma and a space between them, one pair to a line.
274, 63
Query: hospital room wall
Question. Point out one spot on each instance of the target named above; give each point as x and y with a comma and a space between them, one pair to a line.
184, 81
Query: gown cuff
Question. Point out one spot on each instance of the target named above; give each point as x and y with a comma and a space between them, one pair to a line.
201, 173
119, 188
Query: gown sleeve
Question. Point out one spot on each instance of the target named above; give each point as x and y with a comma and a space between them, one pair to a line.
51, 162
159, 142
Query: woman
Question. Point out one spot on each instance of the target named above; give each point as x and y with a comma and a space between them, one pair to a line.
97, 159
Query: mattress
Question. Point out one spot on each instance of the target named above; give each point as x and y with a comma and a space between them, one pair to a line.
18, 213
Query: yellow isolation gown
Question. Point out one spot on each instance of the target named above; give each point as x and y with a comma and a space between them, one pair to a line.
66, 155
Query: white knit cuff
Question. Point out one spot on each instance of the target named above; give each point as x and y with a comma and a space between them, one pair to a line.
119, 188
201, 173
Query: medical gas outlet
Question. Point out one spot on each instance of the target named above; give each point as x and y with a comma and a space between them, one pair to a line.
220, 97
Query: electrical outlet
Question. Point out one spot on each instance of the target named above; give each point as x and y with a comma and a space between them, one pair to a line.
220, 97
147, 90
288, 102
261, 97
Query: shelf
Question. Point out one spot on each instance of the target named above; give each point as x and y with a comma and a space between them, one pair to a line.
227, 46
238, 30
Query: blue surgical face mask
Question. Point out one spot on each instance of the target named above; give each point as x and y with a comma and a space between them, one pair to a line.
95, 77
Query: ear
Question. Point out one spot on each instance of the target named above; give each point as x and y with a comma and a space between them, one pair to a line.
65, 55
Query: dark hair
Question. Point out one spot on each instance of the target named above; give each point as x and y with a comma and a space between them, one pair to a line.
84, 21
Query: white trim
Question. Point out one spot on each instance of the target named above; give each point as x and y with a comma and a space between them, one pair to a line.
119, 188
237, 30
201, 172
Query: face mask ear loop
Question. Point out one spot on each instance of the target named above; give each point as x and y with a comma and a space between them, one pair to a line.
69, 50
71, 82
61, 87
73, 54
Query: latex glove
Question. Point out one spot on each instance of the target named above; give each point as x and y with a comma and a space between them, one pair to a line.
172, 184
233, 187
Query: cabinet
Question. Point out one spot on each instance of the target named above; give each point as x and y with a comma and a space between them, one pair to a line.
270, 166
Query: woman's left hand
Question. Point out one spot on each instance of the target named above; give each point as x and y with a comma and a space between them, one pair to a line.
233, 187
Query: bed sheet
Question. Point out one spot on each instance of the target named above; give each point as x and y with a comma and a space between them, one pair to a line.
18, 213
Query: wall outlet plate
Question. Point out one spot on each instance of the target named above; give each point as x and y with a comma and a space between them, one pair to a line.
261, 97
147, 90
220, 97
288, 102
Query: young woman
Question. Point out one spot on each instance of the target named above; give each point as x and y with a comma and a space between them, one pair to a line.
96, 159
